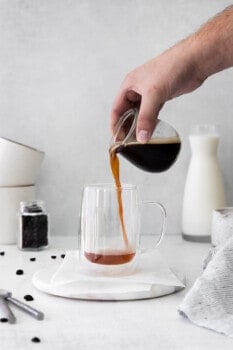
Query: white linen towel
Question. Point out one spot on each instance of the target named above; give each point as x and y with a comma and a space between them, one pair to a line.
209, 303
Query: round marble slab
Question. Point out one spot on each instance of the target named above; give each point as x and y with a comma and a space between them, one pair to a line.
84, 289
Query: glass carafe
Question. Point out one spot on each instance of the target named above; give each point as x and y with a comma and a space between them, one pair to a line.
157, 155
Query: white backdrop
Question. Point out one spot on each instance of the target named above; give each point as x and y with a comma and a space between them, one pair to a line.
61, 63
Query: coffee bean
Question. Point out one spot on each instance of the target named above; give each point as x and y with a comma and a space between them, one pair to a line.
28, 297
3, 319
32, 259
53, 257
2, 253
35, 340
19, 272
62, 256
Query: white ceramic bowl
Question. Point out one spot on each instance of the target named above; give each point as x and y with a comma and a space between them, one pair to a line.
10, 198
19, 164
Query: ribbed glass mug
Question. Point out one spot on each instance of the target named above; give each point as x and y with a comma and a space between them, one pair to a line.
105, 245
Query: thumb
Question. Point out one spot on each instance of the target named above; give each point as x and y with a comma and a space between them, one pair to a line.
147, 117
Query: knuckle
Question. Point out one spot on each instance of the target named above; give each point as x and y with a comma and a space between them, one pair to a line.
127, 82
129, 79
155, 90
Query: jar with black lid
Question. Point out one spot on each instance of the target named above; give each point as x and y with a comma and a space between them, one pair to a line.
33, 226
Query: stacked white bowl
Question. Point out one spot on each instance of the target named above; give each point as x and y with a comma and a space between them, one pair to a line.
19, 167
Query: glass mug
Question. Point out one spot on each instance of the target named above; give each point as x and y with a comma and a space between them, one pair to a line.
103, 246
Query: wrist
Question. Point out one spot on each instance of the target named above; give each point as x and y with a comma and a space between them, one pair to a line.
190, 60
207, 56
196, 59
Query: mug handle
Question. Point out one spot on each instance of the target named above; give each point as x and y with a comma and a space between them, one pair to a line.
164, 215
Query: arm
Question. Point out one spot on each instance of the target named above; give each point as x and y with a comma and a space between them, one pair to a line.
179, 70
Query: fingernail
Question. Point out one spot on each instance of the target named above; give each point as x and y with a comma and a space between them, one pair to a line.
143, 136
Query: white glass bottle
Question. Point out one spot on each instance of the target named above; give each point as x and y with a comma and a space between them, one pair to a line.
204, 190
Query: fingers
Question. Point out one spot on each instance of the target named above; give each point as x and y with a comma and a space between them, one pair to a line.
125, 100
120, 105
147, 97
151, 104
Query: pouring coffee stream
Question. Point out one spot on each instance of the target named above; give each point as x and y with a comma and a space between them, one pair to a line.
157, 155
115, 167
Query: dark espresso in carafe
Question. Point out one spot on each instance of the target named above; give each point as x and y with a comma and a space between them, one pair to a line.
157, 155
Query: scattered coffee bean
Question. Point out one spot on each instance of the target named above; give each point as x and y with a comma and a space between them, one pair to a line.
35, 340
32, 259
28, 297
53, 257
2, 253
19, 272
3, 319
62, 256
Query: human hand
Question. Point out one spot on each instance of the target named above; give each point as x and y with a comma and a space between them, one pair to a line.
149, 86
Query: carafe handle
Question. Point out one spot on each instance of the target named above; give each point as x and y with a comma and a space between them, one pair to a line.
120, 135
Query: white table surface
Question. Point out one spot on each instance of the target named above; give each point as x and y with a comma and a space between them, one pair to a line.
77, 324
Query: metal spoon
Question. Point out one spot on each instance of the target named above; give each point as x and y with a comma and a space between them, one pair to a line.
5, 311
24, 307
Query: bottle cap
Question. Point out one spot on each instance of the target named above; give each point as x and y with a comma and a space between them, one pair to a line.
32, 207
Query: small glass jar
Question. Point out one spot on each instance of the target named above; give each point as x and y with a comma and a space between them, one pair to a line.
33, 226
